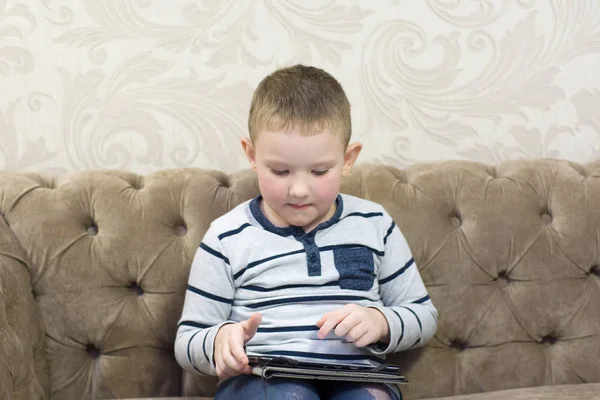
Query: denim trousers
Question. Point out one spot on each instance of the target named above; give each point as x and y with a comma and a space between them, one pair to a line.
252, 387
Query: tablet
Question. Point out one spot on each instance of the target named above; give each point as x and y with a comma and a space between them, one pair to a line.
287, 367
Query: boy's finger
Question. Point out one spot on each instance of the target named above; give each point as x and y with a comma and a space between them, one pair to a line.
331, 321
223, 371
357, 333
251, 325
365, 340
233, 364
229, 372
346, 325
237, 350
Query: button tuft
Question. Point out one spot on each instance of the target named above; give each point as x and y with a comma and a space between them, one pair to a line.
92, 351
458, 344
135, 287
138, 183
455, 220
549, 340
224, 180
181, 230
503, 275
92, 230
546, 216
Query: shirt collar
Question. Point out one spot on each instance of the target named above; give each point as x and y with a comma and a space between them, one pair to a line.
293, 230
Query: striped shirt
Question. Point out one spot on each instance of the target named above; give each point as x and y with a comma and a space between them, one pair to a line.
245, 264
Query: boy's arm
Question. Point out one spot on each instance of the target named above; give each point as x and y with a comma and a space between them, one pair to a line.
207, 306
411, 316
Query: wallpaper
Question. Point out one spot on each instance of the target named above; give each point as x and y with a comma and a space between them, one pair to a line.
144, 85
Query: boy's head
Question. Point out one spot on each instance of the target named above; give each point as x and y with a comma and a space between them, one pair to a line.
301, 98
300, 129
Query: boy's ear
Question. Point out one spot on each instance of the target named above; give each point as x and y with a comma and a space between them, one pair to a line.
350, 157
249, 151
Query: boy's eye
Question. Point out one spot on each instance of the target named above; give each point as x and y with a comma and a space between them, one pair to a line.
279, 172
320, 172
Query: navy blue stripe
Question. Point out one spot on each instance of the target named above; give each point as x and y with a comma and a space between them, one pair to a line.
389, 232
421, 300
234, 231
417, 317
264, 289
255, 263
193, 324
189, 353
304, 299
214, 252
300, 328
204, 346
397, 273
347, 357
346, 246
364, 215
209, 295
416, 343
402, 324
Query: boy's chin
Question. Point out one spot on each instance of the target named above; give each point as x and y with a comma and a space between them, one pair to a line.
303, 222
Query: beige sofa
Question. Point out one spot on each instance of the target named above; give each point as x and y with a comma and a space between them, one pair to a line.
93, 269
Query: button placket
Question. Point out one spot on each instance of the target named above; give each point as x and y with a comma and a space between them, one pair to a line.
313, 257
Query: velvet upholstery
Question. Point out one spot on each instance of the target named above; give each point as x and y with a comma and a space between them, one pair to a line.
94, 265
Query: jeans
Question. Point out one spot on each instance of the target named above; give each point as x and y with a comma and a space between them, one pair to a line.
252, 387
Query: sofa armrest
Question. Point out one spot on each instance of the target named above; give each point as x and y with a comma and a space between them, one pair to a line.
23, 372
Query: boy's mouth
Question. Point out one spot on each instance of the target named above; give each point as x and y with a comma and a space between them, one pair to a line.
299, 206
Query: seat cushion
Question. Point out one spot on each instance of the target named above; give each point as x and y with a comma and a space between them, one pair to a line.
587, 391
170, 398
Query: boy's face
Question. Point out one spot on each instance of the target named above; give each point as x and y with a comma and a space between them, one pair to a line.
299, 176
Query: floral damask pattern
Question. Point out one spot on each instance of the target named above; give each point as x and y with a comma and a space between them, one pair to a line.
168, 120
15, 22
151, 84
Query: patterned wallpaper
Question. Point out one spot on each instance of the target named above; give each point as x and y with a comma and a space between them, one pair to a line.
150, 84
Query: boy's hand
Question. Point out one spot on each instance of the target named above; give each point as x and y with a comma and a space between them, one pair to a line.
230, 357
359, 325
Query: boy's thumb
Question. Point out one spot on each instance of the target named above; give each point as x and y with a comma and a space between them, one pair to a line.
251, 325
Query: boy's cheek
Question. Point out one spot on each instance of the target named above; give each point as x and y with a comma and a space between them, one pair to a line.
265, 180
271, 189
329, 188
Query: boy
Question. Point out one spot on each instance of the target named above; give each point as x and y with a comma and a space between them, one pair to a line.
301, 270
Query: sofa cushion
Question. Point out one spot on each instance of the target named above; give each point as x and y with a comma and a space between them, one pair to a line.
589, 391
23, 373
509, 254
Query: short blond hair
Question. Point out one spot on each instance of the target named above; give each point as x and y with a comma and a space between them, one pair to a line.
300, 97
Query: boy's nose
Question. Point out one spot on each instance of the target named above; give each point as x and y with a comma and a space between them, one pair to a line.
299, 190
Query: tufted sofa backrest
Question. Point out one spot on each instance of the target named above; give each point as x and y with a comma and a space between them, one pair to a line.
508, 253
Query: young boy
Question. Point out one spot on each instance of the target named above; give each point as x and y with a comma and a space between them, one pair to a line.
301, 271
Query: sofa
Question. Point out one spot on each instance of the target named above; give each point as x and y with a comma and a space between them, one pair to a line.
94, 267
